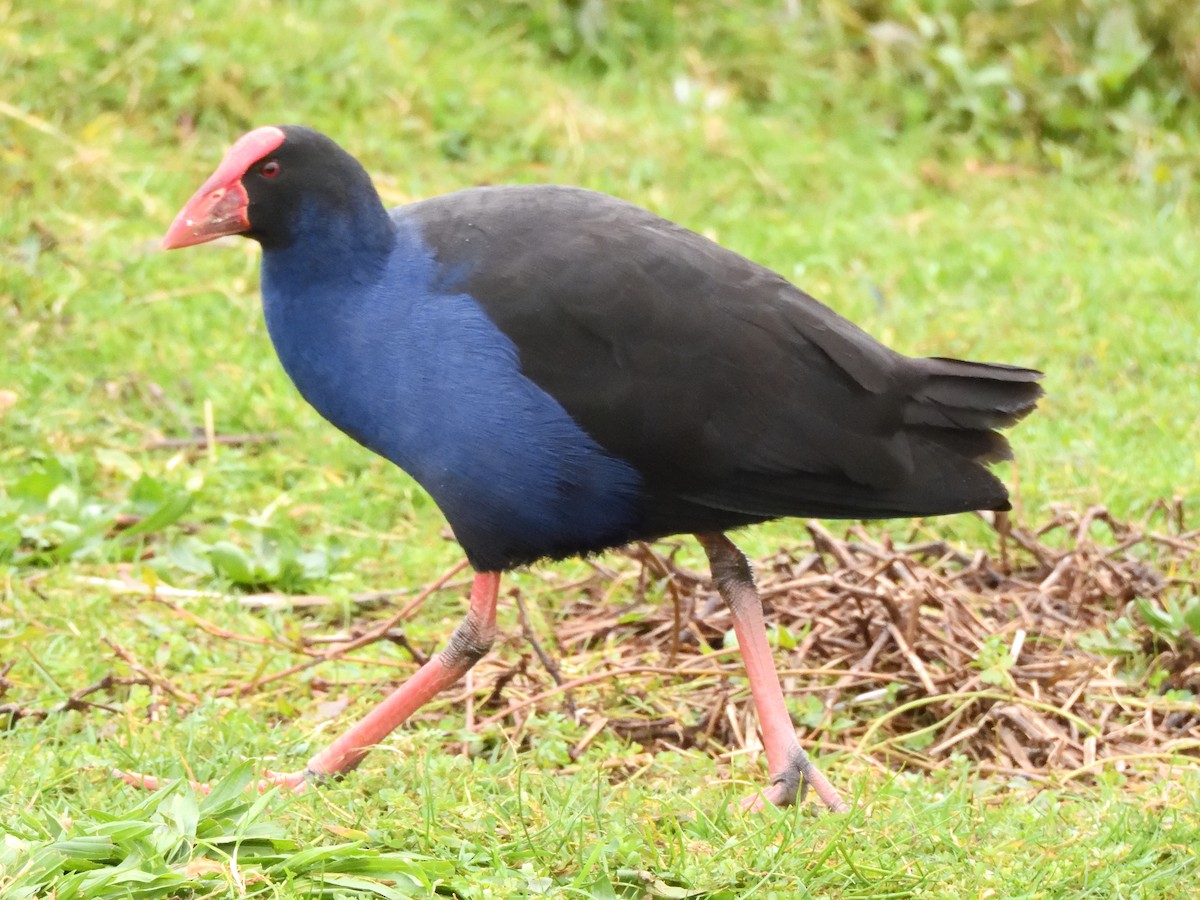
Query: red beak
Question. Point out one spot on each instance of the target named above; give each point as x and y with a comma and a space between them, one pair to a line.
221, 206
214, 211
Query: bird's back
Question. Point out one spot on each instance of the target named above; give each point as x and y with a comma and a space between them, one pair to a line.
734, 394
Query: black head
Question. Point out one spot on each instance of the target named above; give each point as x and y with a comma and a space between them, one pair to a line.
270, 183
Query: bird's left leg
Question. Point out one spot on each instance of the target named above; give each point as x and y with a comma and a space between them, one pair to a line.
792, 771
470, 641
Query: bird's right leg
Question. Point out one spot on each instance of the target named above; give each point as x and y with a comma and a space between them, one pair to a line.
470, 641
791, 769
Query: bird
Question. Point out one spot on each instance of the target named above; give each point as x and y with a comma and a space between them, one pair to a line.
564, 372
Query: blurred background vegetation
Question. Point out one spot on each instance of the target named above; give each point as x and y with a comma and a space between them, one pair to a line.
1052, 80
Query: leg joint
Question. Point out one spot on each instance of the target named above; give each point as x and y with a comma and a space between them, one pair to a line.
470, 642
730, 569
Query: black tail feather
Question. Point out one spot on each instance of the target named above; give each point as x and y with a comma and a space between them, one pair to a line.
949, 426
954, 394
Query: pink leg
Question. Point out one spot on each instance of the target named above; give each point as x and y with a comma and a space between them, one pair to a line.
791, 769
470, 641
467, 646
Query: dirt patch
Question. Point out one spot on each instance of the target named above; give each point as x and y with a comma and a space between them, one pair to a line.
1029, 659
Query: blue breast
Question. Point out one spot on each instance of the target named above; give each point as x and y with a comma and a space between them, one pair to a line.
422, 376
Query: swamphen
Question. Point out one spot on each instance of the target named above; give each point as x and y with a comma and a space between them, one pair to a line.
565, 372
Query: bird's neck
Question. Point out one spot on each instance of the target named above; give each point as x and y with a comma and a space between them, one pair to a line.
337, 304
331, 249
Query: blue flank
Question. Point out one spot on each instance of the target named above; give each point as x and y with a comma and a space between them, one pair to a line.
422, 376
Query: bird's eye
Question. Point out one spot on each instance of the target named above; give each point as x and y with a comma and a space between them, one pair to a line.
269, 169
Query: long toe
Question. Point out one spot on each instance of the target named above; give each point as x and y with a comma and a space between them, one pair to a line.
152, 782
775, 795
293, 782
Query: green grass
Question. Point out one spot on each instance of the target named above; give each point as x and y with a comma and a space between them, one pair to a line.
1077, 255
494, 827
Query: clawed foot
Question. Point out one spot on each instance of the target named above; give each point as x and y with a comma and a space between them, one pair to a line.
799, 775
775, 795
293, 782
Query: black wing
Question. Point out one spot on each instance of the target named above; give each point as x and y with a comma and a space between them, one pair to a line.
735, 394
